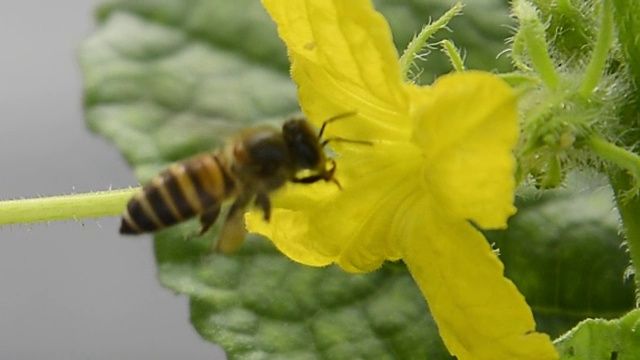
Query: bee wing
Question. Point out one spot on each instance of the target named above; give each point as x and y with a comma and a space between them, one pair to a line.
233, 230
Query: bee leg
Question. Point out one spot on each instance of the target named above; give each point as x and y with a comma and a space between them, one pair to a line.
308, 179
326, 176
208, 218
233, 230
262, 201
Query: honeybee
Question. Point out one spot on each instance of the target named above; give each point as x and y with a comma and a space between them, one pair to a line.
254, 164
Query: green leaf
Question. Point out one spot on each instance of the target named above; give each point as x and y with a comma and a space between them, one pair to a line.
165, 79
258, 304
601, 339
161, 93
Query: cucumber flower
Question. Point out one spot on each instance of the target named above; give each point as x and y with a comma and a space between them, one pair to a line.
437, 166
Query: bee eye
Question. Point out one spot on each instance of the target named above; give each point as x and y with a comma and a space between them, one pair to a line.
302, 143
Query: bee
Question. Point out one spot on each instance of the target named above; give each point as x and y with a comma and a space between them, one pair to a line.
250, 167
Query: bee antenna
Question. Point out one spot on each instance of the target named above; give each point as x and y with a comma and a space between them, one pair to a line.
334, 118
341, 139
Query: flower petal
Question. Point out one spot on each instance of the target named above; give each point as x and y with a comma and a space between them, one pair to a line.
343, 59
291, 227
467, 127
353, 227
480, 314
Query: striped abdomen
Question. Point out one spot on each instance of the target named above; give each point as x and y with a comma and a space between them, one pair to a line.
184, 190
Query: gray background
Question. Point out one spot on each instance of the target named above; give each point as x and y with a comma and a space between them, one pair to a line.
71, 290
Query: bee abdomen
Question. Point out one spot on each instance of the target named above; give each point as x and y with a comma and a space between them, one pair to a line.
180, 192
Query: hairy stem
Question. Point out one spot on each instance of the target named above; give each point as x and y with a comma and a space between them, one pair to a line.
65, 207
600, 51
454, 55
623, 158
533, 34
629, 208
418, 42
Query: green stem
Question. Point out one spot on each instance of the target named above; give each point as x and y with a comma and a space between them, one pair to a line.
624, 184
66, 207
519, 79
454, 55
532, 32
623, 158
517, 53
600, 51
416, 45
629, 208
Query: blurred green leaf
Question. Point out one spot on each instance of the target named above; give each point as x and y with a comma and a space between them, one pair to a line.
165, 79
481, 32
564, 252
575, 20
161, 93
627, 19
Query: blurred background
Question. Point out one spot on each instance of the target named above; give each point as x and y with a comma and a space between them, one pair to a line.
71, 290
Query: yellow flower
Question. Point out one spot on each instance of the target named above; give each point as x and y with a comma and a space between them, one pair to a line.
440, 161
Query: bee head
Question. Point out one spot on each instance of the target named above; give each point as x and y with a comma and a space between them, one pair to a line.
304, 145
